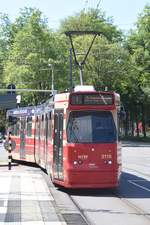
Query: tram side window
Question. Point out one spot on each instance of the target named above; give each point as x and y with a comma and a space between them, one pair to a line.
49, 126
42, 126
56, 123
37, 127
12, 124
46, 128
29, 126
15, 128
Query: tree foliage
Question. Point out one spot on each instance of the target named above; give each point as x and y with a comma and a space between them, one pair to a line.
28, 60
30, 50
138, 45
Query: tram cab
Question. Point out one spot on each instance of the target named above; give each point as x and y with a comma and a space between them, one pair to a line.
86, 151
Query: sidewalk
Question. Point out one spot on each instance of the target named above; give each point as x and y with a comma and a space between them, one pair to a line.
25, 198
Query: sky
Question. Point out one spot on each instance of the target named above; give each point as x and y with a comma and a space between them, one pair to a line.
123, 12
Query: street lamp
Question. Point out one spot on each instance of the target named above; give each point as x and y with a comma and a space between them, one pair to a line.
52, 69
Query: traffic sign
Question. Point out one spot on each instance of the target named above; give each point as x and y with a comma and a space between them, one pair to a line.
9, 145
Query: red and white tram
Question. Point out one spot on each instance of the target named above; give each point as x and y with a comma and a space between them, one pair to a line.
74, 137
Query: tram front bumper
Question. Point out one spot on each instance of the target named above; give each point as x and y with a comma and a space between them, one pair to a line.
86, 179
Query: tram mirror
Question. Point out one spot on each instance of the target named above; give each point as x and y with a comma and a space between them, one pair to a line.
122, 115
119, 137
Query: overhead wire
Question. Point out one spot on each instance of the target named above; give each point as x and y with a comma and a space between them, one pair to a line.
98, 4
85, 5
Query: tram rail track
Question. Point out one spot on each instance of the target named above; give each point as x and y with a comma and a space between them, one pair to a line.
137, 210
81, 211
127, 201
65, 205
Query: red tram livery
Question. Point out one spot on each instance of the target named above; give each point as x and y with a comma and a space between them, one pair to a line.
74, 136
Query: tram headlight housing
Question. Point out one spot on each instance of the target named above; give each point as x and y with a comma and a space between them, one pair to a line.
75, 163
109, 162
78, 162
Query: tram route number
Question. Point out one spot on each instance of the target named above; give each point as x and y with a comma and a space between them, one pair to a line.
106, 156
83, 157
9, 146
103, 156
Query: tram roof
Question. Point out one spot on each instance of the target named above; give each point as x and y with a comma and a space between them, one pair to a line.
31, 110
88, 99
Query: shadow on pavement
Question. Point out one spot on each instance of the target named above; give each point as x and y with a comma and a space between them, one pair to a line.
130, 186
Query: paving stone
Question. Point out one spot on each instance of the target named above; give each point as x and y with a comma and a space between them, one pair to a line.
31, 217
13, 217
45, 204
49, 216
1, 203
14, 209
28, 203
2, 217
14, 203
25, 198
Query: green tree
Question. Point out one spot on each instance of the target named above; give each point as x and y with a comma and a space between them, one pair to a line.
107, 63
93, 19
5, 33
33, 46
139, 48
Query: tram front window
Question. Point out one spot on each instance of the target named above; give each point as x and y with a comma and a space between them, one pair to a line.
91, 127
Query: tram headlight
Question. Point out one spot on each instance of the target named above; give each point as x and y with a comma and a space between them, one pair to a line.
78, 162
109, 162
75, 162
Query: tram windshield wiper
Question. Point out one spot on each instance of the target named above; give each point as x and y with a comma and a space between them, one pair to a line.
76, 140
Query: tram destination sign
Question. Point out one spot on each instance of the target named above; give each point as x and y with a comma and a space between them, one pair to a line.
92, 99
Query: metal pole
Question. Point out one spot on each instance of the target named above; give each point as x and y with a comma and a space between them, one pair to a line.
52, 79
51, 72
9, 153
71, 84
81, 73
9, 159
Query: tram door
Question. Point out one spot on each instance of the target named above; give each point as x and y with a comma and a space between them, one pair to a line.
58, 145
22, 138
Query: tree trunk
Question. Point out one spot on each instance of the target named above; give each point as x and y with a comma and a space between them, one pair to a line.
143, 121
137, 123
132, 123
127, 123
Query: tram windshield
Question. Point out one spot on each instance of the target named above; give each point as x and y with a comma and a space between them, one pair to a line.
91, 127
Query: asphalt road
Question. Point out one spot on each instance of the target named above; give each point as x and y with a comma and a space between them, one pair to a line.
129, 204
